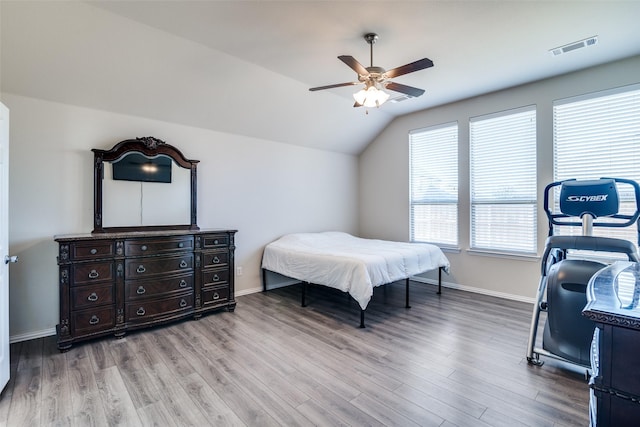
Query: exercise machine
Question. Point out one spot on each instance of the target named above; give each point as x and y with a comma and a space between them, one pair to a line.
566, 271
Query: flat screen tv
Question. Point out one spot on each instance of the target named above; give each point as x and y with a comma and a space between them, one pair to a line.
138, 167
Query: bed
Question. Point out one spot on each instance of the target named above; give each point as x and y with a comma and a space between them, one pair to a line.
351, 264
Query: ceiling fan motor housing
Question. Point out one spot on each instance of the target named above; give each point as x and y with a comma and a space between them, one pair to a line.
375, 74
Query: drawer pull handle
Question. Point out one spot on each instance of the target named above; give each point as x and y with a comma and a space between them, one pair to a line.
141, 290
216, 296
215, 260
181, 245
93, 297
141, 269
94, 320
183, 303
141, 311
143, 247
93, 274
93, 251
183, 284
216, 278
215, 242
183, 264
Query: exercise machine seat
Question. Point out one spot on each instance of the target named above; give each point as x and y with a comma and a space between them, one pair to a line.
566, 332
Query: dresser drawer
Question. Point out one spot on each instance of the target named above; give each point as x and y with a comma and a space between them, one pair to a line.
623, 364
140, 268
153, 246
212, 295
215, 277
215, 259
215, 241
147, 311
93, 249
93, 320
141, 289
91, 296
92, 272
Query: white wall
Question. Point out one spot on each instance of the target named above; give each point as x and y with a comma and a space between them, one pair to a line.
261, 188
384, 174
77, 77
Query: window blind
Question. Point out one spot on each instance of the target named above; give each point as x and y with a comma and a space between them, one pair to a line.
433, 170
595, 136
503, 181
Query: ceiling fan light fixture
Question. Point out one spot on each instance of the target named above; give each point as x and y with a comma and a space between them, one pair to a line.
371, 97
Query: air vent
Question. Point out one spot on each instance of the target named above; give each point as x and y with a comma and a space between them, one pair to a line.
574, 46
400, 98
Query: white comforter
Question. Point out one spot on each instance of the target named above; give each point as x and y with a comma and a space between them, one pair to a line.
351, 264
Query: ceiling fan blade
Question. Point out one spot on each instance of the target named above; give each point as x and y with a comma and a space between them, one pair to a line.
313, 89
418, 65
407, 90
353, 64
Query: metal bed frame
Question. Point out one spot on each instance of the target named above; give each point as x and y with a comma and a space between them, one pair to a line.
304, 285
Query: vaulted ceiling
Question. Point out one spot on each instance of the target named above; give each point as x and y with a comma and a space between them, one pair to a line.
245, 67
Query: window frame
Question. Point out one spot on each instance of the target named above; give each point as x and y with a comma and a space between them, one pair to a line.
479, 201
608, 141
443, 130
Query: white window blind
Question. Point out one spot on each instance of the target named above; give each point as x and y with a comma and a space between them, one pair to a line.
433, 173
503, 181
595, 136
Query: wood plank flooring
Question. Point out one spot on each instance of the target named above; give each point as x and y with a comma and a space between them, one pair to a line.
451, 360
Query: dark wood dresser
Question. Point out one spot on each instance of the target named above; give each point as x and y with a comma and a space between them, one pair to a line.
114, 282
614, 304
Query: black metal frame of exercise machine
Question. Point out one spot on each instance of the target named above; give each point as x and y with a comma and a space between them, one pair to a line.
563, 282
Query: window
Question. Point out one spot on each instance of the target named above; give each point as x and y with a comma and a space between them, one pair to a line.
503, 181
595, 136
433, 170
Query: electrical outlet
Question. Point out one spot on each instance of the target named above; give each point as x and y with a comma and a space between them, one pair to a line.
238, 271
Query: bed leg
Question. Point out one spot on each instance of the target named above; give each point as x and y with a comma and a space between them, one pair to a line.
304, 294
361, 318
264, 280
407, 294
439, 280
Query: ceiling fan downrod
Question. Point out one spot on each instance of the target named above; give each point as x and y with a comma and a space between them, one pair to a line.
371, 38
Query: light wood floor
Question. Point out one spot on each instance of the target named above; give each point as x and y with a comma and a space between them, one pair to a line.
455, 359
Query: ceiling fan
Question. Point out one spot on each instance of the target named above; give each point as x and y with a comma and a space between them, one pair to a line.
377, 78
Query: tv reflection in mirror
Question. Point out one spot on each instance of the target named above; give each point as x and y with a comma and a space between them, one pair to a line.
138, 167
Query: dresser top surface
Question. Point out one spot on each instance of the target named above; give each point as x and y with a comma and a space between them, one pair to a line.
613, 295
137, 234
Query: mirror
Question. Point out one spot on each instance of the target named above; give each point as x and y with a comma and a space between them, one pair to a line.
143, 184
146, 201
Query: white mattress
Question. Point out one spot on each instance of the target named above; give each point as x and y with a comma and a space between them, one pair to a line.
351, 264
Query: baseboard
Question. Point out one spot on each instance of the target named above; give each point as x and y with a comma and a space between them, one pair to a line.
32, 335
280, 284
475, 290
248, 291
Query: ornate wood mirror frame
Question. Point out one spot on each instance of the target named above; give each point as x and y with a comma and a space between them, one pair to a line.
150, 147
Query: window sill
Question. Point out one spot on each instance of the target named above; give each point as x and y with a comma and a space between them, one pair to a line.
507, 255
450, 249
443, 248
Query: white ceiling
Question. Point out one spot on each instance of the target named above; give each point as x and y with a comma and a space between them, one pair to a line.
286, 47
